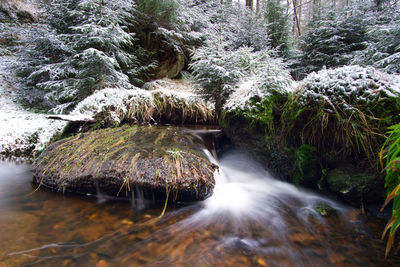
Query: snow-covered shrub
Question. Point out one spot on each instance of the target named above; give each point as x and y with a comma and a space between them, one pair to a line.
161, 103
216, 70
261, 94
86, 48
346, 110
266, 76
383, 42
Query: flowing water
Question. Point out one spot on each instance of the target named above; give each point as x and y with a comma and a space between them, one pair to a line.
251, 220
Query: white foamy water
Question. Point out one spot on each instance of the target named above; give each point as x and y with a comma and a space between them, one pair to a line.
245, 188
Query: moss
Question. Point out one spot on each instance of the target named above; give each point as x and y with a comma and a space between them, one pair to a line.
113, 154
307, 169
344, 179
324, 209
355, 185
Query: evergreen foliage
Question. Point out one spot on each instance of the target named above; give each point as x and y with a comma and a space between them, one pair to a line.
237, 25
383, 41
166, 27
216, 70
87, 47
362, 34
332, 40
278, 27
263, 76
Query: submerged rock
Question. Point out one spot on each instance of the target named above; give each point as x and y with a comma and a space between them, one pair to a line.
121, 161
324, 209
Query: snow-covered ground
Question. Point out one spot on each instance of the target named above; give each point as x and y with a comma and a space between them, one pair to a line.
20, 130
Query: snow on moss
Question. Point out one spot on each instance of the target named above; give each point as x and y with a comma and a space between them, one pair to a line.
163, 99
346, 110
348, 87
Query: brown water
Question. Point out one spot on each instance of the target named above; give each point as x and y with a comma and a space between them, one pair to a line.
252, 220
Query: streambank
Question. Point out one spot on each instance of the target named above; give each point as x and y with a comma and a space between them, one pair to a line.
324, 134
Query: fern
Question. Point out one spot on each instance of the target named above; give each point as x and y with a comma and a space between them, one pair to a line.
391, 153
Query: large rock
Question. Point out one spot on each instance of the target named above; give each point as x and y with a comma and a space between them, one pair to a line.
21, 11
121, 161
170, 66
355, 185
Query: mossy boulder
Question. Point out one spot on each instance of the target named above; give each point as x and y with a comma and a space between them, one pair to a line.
21, 11
117, 161
354, 185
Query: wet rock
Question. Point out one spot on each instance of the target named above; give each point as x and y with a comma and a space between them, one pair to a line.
356, 185
22, 11
324, 209
170, 66
125, 161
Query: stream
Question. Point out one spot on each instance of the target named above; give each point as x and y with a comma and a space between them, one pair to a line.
252, 219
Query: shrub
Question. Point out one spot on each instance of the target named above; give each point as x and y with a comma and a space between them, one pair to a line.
216, 71
263, 90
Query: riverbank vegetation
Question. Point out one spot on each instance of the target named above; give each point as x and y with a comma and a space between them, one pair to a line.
311, 88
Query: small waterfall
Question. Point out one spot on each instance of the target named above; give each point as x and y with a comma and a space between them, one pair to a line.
243, 187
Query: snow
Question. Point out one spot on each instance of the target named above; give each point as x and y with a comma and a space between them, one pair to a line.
352, 84
116, 102
21, 130
245, 91
112, 100
267, 76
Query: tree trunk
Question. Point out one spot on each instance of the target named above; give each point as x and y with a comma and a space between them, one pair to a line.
249, 3
296, 19
300, 14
